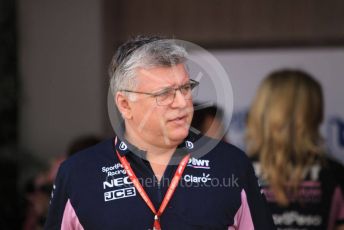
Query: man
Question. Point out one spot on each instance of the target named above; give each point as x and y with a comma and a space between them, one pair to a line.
151, 175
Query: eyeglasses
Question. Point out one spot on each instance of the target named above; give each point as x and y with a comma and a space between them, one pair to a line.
167, 95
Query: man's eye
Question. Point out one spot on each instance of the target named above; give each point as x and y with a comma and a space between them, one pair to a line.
164, 93
185, 88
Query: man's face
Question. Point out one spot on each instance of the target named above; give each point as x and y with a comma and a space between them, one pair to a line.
161, 125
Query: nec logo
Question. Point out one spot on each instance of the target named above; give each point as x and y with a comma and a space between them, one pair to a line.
119, 194
198, 163
117, 182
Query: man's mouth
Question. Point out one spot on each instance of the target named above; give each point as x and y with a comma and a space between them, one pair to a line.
179, 120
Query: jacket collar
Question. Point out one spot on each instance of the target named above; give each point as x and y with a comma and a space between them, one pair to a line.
124, 147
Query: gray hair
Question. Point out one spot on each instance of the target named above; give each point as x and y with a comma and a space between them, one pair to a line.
142, 52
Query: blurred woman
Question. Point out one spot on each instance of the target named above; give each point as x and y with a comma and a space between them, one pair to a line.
284, 141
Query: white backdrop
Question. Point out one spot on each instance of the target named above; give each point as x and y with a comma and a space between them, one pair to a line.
247, 68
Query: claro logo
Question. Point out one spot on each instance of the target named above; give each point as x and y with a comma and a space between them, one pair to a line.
197, 179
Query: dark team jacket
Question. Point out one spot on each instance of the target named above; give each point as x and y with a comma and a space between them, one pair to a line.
217, 191
318, 205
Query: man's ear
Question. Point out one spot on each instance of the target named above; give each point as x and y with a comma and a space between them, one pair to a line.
123, 105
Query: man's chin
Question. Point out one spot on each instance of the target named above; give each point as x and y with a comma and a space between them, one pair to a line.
178, 136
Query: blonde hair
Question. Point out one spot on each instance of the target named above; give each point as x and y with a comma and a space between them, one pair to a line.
283, 129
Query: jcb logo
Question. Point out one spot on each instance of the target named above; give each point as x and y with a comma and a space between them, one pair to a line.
119, 194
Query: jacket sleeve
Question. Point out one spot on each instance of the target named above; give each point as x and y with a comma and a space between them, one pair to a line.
254, 207
58, 201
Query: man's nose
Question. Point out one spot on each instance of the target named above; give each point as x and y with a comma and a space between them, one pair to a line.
179, 100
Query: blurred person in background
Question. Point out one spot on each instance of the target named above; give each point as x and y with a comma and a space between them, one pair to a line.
37, 195
81, 143
208, 121
38, 190
78, 144
284, 141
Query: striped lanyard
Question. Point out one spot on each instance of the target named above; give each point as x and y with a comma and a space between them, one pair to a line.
174, 183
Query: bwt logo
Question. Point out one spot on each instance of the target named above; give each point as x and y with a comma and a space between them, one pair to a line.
198, 163
335, 133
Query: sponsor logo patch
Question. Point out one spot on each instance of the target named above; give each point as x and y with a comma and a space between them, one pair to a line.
119, 194
123, 146
189, 145
198, 163
197, 179
123, 188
